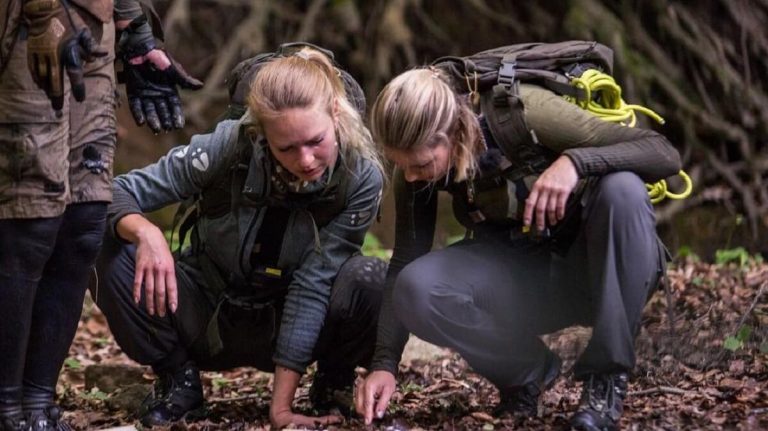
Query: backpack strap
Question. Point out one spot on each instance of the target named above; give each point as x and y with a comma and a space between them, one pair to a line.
186, 216
505, 114
562, 86
239, 170
224, 194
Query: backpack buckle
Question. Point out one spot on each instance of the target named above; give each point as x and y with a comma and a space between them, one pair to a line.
507, 73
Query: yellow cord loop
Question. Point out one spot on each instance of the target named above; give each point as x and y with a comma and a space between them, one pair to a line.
658, 191
603, 98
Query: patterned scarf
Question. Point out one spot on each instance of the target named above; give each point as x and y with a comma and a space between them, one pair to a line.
283, 181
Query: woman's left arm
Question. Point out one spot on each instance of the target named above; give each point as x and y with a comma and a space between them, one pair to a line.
280, 412
597, 147
309, 293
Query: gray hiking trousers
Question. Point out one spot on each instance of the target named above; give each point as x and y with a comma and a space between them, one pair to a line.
489, 300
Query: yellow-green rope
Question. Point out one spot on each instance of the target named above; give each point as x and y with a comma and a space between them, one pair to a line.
603, 98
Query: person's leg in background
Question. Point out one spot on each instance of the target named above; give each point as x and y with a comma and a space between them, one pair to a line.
26, 246
59, 298
58, 305
33, 195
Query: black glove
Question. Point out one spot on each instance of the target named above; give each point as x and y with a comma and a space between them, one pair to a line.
151, 76
58, 41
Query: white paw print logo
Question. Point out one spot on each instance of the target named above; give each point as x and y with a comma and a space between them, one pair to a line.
200, 160
181, 152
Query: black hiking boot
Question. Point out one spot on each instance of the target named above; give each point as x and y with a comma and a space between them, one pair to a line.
523, 401
13, 422
174, 395
601, 404
40, 412
46, 419
333, 391
11, 414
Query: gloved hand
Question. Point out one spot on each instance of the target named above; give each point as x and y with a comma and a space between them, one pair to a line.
152, 94
151, 76
58, 41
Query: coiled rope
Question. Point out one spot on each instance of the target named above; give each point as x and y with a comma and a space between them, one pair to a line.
603, 99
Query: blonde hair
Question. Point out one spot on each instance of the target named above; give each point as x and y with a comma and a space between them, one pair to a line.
304, 80
418, 106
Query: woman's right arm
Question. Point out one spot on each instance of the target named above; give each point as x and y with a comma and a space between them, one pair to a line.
155, 267
179, 174
416, 212
415, 216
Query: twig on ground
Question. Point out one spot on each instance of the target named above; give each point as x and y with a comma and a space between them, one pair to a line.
234, 399
661, 390
751, 307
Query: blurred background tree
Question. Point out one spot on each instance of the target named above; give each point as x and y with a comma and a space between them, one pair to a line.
701, 65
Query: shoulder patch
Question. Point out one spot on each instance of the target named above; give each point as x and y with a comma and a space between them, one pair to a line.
200, 160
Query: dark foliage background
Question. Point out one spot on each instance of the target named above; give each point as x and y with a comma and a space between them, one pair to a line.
703, 347
701, 65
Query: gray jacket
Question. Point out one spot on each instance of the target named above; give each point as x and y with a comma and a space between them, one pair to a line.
310, 256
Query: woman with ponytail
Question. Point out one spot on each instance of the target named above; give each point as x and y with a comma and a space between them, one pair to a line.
569, 241
273, 277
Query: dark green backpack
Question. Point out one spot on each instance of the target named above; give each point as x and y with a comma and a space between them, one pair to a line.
492, 77
221, 197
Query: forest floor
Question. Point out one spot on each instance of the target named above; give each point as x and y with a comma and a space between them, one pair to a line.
709, 370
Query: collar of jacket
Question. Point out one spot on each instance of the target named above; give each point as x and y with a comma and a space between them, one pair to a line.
257, 185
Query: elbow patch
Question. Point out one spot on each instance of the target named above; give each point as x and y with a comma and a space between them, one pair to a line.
361, 217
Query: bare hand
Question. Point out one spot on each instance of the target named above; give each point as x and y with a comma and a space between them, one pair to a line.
550, 193
155, 269
284, 417
373, 394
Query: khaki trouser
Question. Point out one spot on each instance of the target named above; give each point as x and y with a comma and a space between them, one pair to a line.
49, 160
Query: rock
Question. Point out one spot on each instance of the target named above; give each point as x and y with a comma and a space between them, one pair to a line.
128, 398
108, 378
417, 348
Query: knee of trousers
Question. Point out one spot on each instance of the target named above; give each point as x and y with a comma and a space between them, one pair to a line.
89, 221
621, 192
30, 243
358, 287
411, 298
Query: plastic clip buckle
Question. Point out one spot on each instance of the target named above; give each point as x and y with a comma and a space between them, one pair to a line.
507, 73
